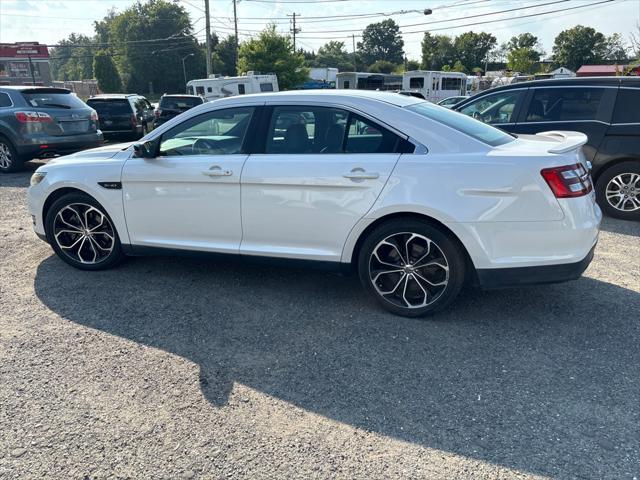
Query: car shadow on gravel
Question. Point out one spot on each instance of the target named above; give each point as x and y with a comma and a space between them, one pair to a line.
542, 379
624, 227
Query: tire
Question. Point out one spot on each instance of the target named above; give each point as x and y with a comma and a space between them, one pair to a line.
9, 159
612, 186
428, 283
68, 224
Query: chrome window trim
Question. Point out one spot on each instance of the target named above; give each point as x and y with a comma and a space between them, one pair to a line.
565, 121
626, 123
10, 99
573, 86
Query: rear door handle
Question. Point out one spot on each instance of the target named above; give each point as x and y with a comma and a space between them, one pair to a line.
216, 171
361, 174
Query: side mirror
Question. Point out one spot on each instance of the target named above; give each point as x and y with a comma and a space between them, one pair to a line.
144, 150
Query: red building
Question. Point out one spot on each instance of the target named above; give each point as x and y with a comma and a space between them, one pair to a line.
607, 70
24, 63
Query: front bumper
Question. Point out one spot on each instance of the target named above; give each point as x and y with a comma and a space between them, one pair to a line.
512, 277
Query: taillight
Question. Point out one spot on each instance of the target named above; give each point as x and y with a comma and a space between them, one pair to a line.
134, 121
157, 112
94, 116
568, 181
33, 117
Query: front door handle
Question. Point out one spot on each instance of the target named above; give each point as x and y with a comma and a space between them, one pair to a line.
216, 171
361, 174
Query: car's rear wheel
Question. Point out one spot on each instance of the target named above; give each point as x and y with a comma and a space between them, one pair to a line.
82, 234
618, 191
412, 268
9, 160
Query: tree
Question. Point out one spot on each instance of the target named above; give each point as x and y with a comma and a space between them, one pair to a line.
382, 66
437, 51
522, 59
412, 65
104, 70
582, 45
528, 50
272, 52
73, 59
458, 67
334, 54
226, 54
473, 48
382, 41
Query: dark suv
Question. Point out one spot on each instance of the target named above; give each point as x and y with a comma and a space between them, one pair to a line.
606, 109
43, 122
173, 105
127, 116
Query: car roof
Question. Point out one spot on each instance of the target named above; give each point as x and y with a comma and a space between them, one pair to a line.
327, 95
579, 81
181, 95
113, 96
40, 88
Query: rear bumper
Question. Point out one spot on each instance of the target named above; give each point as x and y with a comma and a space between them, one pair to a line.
33, 148
512, 277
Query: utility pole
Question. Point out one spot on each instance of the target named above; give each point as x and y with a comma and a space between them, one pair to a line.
294, 30
355, 65
33, 77
208, 37
235, 26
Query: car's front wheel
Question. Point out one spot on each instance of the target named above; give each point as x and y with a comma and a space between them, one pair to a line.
82, 234
618, 191
412, 268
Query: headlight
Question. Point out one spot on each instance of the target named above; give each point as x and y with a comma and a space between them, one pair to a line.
37, 177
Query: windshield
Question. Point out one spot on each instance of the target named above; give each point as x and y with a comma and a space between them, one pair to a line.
458, 121
179, 103
111, 107
53, 100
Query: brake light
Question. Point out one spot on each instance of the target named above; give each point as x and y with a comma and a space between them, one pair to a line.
94, 116
157, 112
568, 181
33, 117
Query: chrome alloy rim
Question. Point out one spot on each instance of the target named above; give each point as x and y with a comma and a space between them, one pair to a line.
5, 156
409, 270
623, 192
84, 233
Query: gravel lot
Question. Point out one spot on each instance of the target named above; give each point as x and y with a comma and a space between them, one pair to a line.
182, 368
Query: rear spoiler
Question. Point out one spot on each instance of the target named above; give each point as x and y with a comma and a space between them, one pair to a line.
567, 140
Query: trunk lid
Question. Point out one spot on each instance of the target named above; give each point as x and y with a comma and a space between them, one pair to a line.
69, 115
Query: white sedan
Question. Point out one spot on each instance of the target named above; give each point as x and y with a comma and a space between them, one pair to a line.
414, 197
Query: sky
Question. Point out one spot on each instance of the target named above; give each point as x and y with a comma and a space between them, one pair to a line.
49, 21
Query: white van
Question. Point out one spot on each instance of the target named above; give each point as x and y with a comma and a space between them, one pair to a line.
220, 87
435, 86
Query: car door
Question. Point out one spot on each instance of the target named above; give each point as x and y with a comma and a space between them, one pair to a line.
320, 171
499, 109
188, 197
583, 109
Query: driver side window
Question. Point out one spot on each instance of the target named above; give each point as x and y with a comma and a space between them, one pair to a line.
216, 133
494, 109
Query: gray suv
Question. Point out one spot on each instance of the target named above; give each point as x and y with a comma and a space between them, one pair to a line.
40, 122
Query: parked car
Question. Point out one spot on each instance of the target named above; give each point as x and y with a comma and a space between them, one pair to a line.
418, 202
40, 122
451, 101
173, 105
605, 109
123, 115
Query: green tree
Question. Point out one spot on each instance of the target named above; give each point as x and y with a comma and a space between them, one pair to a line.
382, 66
458, 67
437, 51
582, 45
226, 53
524, 40
272, 52
522, 59
334, 54
381, 41
73, 58
105, 71
412, 65
472, 49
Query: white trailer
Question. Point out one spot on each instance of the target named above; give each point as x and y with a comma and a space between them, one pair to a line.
323, 74
435, 86
220, 87
368, 81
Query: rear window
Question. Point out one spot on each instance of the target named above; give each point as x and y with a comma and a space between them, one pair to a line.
53, 100
110, 107
462, 123
180, 103
564, 104
626, 110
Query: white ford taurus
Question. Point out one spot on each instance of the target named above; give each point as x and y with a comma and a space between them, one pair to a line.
416, 198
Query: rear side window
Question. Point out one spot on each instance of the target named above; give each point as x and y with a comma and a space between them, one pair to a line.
627, 109
53, 100
110, 107
364, 136
564, 104
5, 101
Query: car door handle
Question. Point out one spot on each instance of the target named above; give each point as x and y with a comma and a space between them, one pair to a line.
360, 174
216, 171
